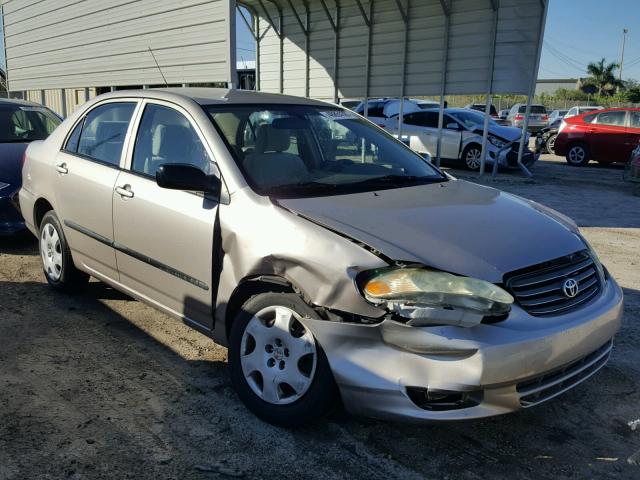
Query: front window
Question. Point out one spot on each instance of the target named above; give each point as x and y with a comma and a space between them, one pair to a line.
295, 150
25, 123
471, 119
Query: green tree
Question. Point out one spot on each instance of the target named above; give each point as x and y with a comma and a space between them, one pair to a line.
602, 77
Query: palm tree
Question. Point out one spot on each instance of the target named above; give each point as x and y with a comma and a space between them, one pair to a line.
602, 76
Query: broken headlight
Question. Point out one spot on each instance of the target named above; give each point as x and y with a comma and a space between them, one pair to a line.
496, 142
433, 297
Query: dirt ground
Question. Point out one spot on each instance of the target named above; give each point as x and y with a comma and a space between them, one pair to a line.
101, 386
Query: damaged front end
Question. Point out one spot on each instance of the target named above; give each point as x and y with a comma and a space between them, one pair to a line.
428, 297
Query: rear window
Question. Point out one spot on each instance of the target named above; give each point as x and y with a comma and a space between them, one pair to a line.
534, 109
25, 123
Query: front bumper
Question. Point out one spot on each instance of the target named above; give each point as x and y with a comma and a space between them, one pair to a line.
508, 157
377, 367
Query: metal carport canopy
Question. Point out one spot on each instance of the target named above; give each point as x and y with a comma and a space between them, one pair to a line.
333, 49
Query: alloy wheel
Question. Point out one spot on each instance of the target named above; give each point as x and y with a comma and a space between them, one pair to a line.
51, 252
551, 144
472, 158
577, 154
278, 355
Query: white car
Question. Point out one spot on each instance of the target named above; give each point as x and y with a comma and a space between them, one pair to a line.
461, 137
573, 111
380, 110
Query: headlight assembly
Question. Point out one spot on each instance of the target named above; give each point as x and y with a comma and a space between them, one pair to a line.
429, 297
496, 142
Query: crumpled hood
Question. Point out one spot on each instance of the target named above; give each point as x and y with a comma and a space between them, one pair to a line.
454, 226
510, 134
11, 162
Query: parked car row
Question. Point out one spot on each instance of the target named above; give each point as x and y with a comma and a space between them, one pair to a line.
335, 267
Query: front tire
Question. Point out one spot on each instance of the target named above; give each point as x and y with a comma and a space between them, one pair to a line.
578, 155
550, 144
57, 262
277, 367
471, 156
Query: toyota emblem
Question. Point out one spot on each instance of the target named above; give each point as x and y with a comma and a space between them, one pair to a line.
570, 287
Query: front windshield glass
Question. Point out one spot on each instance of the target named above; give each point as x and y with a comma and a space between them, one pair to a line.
471, 119
296, 150
25, 123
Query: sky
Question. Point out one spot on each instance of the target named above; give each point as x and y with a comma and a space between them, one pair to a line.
577, 32
582, 31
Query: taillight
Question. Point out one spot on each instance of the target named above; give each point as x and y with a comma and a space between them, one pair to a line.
519, 117
545, 117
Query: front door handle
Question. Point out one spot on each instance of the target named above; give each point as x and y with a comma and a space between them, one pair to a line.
124, 191
62, 168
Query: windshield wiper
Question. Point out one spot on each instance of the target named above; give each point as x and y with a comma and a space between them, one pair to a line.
400, 180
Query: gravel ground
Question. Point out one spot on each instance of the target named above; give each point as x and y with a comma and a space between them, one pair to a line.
101, 386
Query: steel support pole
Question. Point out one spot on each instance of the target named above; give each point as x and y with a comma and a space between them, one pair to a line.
532, 89
43, 98
403, 82
443, 78
63, 98
487, 108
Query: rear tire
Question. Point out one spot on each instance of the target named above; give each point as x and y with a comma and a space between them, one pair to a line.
57, 262
578, 155
277, 367
471, 156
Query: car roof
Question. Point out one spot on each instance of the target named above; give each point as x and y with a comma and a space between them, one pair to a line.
217, 96
16, 101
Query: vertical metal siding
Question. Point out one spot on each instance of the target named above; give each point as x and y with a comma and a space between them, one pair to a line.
468, 54
86, 43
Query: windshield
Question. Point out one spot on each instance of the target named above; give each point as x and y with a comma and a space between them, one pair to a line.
25, 123
470, 118
296, 150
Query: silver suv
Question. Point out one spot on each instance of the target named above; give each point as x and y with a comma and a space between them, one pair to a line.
333, 261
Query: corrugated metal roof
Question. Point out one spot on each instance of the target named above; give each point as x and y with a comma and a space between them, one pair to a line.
463, 48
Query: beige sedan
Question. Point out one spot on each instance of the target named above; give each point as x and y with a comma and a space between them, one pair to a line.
333, 261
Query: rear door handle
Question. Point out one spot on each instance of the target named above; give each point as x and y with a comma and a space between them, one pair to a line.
62, 168
125, 191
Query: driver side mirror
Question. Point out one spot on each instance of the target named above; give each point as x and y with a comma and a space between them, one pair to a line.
182, 176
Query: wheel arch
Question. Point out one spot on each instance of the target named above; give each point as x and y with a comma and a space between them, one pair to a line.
250, 287
40, 208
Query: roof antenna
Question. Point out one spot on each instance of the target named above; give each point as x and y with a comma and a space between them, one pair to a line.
159, 69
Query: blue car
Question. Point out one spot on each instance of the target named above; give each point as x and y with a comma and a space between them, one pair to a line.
20, 123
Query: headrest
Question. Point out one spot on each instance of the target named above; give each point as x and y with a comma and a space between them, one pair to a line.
271, 139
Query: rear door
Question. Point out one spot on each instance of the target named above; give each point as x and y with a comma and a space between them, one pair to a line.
607, 137
425, 126
86, 172
164, 239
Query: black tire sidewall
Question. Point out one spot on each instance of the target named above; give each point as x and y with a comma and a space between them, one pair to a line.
547, 144
70, 279
320, 398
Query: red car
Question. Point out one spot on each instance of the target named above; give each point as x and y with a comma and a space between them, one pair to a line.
607, 136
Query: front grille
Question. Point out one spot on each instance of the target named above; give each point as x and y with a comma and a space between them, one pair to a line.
540, 289
549, 385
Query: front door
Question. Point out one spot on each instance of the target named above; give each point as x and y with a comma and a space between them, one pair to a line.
164, 239
86, 172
